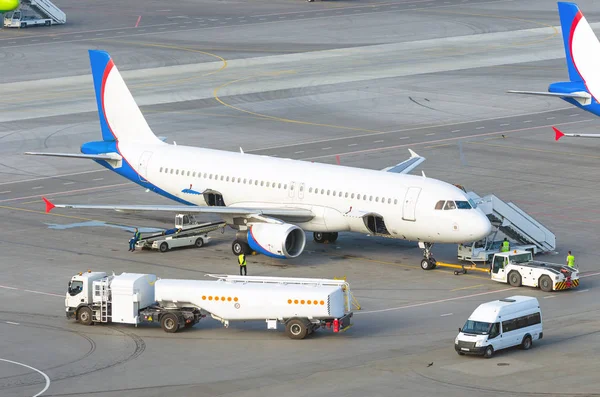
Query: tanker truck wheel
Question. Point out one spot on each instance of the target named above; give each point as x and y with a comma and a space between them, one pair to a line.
169, 323
296, 329
84, 316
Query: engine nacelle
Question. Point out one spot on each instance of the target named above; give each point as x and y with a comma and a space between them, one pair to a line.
276, 240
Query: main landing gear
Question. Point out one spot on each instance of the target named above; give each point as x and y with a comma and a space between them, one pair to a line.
240, 247
428, 262
325, 237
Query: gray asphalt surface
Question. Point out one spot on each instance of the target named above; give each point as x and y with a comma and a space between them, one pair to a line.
364, 81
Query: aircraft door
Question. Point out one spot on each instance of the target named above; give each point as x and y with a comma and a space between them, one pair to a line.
410, 203
143, 165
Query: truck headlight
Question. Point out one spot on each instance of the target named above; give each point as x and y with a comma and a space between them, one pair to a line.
456, 340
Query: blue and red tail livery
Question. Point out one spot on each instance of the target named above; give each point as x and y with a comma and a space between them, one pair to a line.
101, 64
570, 15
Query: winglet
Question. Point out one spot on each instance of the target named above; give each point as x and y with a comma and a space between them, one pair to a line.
557, 133
49, 205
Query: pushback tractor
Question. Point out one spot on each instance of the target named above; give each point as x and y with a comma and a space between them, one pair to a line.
301, 305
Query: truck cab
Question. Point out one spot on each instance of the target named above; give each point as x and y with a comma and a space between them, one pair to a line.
79, 291
503, 259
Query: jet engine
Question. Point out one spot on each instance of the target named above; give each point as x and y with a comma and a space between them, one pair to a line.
276, 240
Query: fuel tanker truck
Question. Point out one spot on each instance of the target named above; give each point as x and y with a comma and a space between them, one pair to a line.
301, 305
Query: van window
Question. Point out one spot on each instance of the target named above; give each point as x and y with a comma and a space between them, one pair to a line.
494, 330
521, 322
476, 327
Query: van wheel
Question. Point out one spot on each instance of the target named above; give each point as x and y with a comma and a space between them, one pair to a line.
461, 353
489, 352
526, 345
296, 329
514, 278
199, 242
164, 247
545, 283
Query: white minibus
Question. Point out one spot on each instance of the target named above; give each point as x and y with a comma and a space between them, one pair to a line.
500, 324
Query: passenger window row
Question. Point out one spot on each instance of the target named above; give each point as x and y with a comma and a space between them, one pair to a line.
358, 196
521, 322
216, 177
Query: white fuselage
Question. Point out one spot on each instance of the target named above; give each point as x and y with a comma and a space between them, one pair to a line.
339, 197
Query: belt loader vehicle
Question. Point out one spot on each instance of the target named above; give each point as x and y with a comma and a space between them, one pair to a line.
302, 304
518, 268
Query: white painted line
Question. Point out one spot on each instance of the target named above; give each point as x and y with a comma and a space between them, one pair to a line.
37, 187
456, 131
68, 183
478, 128
404, 137
6, 191
378, 141
326, 148
353, 144
550, 118
583, 290
161, 28
43, 293
97, 179
435, 302
590, 275
65, 192
527, 121
573, 115
46, 378
299, 151
504, 125
99, 34
4, 286
447, 314
52, 177
549, 296
430, 134
12, 323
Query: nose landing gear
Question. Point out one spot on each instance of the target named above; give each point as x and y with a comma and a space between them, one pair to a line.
428, 262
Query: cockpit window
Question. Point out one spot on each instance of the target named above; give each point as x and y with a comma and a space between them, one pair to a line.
440, 205
450, 205
463, 205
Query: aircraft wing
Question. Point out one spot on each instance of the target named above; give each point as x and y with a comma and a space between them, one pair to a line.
559, 134
583, 97
407, 165
298, 214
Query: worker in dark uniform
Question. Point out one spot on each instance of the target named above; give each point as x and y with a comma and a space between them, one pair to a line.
136, 237
242, 262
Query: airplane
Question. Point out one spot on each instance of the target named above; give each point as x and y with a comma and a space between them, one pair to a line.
582, 51
8, 5
271, 201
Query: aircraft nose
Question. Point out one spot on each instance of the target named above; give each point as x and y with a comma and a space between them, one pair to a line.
482, 227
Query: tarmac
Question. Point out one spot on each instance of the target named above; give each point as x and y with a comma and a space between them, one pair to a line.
358, 81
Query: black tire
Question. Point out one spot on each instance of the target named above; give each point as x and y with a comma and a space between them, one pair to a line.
23, 24
164, 247
332, 237
514, 278
461, 353
527, 343
199, 242
489, 352
296, 329
545, 283
84, 316
47, 23
239, 247
169, 323
426, 265
319, 237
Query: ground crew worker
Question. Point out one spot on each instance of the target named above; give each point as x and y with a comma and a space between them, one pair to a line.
136, 236
242, 262
570, 260
505, 245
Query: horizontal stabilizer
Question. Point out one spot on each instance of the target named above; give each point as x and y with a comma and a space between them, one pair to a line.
407, 165
559, 134
105, 156
583, 97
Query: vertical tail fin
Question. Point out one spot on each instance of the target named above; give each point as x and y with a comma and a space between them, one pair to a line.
120, 117
570, 18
